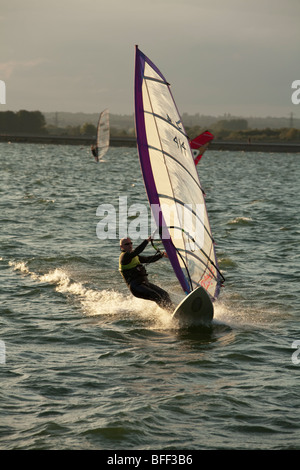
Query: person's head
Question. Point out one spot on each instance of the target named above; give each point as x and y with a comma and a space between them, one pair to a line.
126, 244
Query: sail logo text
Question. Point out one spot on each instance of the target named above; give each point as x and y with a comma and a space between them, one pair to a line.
134, 221
296, 94
2, 92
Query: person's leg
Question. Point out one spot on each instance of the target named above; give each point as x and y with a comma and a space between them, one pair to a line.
165, 301
154, 293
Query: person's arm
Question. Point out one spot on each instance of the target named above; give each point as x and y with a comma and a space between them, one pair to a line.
139, 248
129, 256
151, 259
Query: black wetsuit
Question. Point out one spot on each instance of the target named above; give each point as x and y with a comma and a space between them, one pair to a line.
136, 277
95, 153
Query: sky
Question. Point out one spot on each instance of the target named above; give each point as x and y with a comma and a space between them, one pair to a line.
235, 57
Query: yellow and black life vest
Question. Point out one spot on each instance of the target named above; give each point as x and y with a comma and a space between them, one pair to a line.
133, 270
133, 263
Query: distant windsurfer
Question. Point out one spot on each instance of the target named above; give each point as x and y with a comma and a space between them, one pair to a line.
94, 151
200, 144
135, 274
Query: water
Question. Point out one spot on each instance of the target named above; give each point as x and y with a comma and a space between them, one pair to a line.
84, 365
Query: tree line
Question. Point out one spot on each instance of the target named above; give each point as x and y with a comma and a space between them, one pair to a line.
236, 130
31, 122
225, 129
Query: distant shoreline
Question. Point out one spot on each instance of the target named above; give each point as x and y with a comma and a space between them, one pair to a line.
131, 142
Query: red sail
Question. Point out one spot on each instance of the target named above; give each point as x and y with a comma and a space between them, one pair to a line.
200, 144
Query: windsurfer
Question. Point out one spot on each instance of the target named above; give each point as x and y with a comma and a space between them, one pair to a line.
94, 152
135, 274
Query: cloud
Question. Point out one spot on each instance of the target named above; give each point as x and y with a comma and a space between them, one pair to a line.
7, 69
219, 56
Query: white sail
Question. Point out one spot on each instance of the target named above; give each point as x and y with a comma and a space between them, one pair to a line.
103, 134
172, 182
